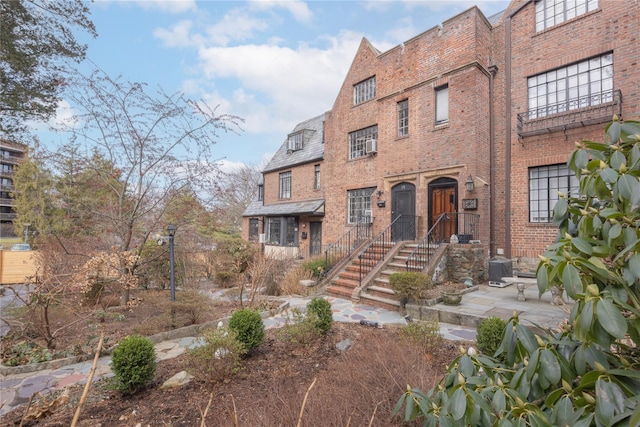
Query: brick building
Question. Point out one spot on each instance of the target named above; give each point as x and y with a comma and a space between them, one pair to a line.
475, 118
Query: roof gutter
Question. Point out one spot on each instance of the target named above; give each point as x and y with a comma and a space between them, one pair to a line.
507, 168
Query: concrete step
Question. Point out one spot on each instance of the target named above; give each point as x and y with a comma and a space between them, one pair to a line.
377, 301
382, 292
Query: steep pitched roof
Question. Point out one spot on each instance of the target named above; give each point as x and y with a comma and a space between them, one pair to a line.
312, 150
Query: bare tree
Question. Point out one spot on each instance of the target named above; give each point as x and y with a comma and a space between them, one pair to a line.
148, 144
235, 191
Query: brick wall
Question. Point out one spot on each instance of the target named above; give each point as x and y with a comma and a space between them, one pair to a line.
455, 55
611, 28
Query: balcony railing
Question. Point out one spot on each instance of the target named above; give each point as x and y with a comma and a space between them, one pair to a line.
14, 160
573, 113
6, 202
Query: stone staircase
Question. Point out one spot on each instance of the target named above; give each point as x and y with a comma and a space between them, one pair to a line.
347, 283
377, 291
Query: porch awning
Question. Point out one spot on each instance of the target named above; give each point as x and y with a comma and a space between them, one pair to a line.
309, 207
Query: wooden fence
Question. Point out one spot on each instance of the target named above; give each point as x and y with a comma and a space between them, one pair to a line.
16, 266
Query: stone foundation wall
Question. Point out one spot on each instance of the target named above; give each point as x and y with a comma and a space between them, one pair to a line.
465, 261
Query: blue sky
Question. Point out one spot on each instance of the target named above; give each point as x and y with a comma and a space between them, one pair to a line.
274, 63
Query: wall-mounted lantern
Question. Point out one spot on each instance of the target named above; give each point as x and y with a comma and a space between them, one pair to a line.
469, 184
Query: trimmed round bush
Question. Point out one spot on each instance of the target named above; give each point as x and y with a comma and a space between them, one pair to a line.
248, 327
489, 334
133, 363
320, 308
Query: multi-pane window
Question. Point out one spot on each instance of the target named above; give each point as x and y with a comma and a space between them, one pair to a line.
281, 231
295, 141
442, 105
403, 118
285, 185
316, 182
358, 141
544, 184
364, 91
260, 192
253, 229
274, 231
359, 205
579, 85
554, 12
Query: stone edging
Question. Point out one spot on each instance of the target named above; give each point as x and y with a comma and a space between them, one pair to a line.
187, 331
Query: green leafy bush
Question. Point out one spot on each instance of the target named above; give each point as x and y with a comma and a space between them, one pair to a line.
425, 334
133, 363
316, 267
219, 356
489, 334
319, 311
248, 327
410, 285
586, 373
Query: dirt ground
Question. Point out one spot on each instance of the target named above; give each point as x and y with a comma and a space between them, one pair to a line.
359, 387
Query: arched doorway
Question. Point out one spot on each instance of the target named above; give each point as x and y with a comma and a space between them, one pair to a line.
443, 198
403, 202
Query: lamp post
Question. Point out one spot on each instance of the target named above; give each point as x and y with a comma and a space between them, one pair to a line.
26, 231
171, 229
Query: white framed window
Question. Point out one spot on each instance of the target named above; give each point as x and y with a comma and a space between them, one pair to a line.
358, 202
364, 90
442, 105
295, 141
554, 12
544, 184
578, 85
358, 141
403, 118
285, 185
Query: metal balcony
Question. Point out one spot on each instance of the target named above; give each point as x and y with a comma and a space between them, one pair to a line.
578, 112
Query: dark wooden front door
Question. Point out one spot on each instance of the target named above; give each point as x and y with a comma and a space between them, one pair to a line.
403, 203
315, 243
443, 199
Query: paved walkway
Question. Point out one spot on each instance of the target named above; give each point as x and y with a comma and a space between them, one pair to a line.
16, 389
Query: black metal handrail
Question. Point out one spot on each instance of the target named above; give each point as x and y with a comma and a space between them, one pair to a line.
346, 244
377, 250
463, 225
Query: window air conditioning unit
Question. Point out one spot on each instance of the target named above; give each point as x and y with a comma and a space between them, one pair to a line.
368, 216
371, 146
262, 238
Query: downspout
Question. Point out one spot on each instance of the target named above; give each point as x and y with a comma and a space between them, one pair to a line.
507, 97
493, 70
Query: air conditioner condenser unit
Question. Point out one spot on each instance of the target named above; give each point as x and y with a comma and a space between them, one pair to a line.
371, 146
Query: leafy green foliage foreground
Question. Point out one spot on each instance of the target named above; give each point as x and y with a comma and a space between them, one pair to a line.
587, 373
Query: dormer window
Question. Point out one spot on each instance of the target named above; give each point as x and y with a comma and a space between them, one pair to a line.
296, 141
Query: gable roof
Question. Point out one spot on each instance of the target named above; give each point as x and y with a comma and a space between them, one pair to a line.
312, 150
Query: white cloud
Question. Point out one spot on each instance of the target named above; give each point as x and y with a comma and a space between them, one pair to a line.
237, 25
281, 85
298, 9
178, 35
169, 6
